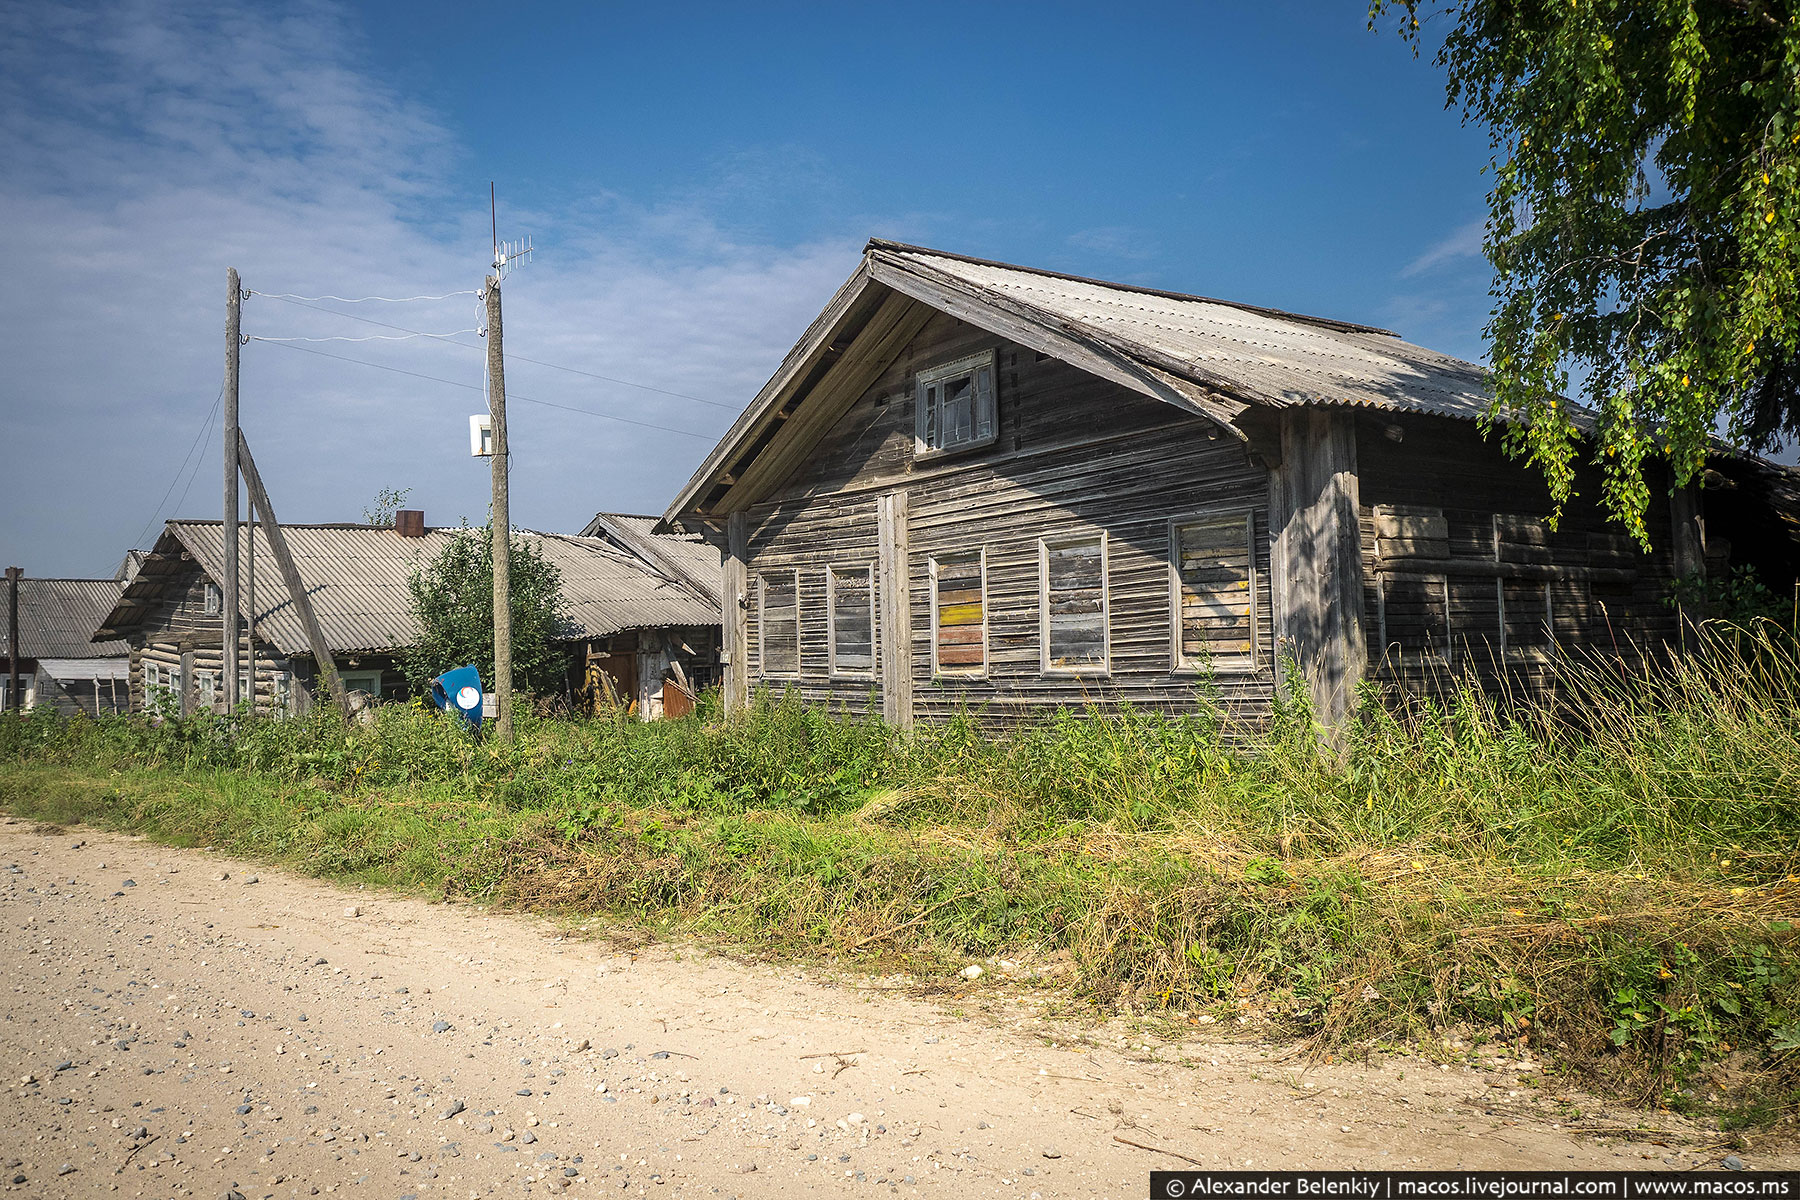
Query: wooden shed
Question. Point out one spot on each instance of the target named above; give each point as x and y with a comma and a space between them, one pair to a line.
60, 665
978, 484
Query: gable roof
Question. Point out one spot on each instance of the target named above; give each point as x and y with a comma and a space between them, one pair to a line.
682, 556
58, 617
356, 577
1214, 358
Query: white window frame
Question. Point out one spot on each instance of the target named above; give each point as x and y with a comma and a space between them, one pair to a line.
344, 677
972, 366
1045, 546
212, 599
762, 625
831, 576
1179, 665
938, 670
160, 677
206, 689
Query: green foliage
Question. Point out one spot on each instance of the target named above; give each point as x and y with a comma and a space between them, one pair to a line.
453, 600
387, 503
1612, 879
1738, 598
1644, 223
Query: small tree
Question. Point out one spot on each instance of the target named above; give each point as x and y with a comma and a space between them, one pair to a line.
453, 600
387, 503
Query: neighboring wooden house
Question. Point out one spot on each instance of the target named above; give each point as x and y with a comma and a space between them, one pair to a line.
59, 663
356, 577
641, 663
977, 484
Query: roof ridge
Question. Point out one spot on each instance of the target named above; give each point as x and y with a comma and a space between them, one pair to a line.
1326, 322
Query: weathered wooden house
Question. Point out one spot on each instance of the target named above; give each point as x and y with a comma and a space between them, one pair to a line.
642, 663
978, 484
59, 663
356, 577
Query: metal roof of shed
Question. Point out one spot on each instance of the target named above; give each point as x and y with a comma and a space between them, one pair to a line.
356, 577
58, 617
682, 555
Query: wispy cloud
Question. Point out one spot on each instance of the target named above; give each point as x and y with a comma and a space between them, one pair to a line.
150, 145
1462, 243
1116, 241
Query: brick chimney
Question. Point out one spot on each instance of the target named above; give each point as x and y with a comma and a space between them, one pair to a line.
410, 522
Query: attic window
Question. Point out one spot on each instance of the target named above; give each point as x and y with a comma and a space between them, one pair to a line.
955, 408
210, 599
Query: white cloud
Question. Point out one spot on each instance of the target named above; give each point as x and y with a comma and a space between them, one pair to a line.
1462, 243
151, 145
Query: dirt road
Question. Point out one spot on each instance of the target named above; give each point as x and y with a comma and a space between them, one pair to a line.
179, 1024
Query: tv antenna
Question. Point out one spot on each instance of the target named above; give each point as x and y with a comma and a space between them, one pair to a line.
506, 254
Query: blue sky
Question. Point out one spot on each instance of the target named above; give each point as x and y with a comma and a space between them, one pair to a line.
698, 178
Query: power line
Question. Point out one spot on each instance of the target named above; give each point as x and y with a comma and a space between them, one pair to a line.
377, 337
205, 432
364, 299
707, 437
537, 362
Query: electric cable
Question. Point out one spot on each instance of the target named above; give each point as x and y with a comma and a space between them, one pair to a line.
363, 299
536, 362
205, 432
510, 395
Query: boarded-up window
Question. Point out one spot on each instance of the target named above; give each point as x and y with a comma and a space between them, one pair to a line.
959, 613
778, 622
1524, 602
1072, 597
852, 616
956, 405
1414, 618
1212, 585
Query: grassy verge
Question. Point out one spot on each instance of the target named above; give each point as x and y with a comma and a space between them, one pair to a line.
1612, 883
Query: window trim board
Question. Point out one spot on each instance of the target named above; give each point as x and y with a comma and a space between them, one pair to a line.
831, 649
937, 669
1177, 664
762, 625
1044, 546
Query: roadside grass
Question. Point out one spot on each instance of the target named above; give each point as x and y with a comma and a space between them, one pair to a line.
1610, 882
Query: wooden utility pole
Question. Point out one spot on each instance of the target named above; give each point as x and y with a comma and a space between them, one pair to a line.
502, 520
290, 574
228, 607
250, 603
14, 701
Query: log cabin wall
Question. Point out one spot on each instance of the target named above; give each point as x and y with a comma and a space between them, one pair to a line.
1464, 577
1073, 459
179, 639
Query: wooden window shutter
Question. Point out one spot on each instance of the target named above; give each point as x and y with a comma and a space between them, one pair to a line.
984, 404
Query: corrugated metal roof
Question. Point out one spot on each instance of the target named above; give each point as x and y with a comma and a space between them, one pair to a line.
58, 618
1215, 358
356, 577
683, 555
1264, 355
